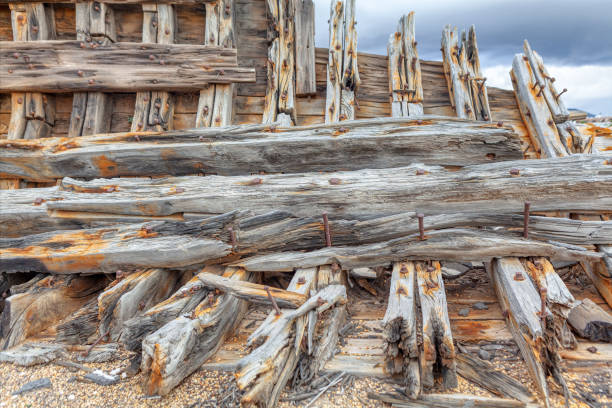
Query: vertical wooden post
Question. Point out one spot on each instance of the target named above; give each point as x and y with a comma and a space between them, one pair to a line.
480, 96
215, 105
91, 111
155, 110
32, 114
455, 69
305, 78
350, 72
334, 64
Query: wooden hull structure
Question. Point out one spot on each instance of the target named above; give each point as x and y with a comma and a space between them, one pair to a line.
162, 184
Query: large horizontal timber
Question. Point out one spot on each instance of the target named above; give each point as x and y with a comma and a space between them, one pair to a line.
214, 239
32, 114
466, 85
536, 304
91, 111
281, 89
122, 1
215, 105
579, 182
154, 110
342, 72
404, 66
368, 143
74, 66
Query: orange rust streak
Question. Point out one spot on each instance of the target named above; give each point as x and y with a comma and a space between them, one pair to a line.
107, 167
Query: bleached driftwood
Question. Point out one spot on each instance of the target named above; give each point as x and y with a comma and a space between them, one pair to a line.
334, 62
600, 272
454, 60
590, 321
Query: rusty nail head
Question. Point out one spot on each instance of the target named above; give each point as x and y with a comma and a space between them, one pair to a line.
334, 181
515, 172
301, 280
420, 172
500, 124
519, 277
278, 312
15, 55
19, 100
401, 290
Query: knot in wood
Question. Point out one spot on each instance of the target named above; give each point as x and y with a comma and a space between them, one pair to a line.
30, 66
110, 189
35, 29
136, 137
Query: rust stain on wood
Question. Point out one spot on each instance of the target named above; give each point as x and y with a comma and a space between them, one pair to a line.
107, 167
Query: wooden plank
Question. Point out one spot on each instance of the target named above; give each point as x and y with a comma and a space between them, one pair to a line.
455, 62
480, 97
350, 72
574, 183
590, 321
600, 273
535, 112
305, 82
286, 62
186, 2
334, 64
372, 143
127, 67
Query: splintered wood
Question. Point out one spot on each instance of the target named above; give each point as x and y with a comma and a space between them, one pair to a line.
342, 71
466, 85
405, 70
215, 106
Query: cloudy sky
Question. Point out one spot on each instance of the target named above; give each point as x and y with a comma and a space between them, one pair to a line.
574, 38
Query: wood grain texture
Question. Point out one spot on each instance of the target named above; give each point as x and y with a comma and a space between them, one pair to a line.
600, 273
455, 66
372, 143
305, 74
65, 66
334, 64
573, 183
350, 72
480, 96
590, 321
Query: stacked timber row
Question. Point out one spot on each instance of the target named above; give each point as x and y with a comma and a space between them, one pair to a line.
131, 246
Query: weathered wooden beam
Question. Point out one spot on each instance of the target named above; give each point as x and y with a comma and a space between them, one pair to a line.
590, 321
253, 292
454, 60
448, 401
600, 272
573, 183
286, 63
181, 346
545, 82
181, 303
402, 351
334, 63
81, 326
437, 356
370, 143
32, 114
91, 111
66, 66
350, 73
534, 110
125, 1
480, 97
132, 295
525, 315
43, 304
305, 81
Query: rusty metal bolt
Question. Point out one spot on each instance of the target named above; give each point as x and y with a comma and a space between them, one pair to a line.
136, 137
145, 99
500, 124
515, 172
38, 201
167, 31
519, 277
91, 81
301, 281
139, 127
421, 216
151, 57
401, 290
15, 55
157, 121
20, 100
335, 181
420, 172
221, 72
403, 269
80, 73
154, 23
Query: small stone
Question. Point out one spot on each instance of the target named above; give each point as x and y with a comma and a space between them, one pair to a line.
484, 355
101, 378
480, 306
34, 385
71, 397
464, 312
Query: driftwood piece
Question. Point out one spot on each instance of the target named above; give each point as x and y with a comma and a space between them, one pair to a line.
29, 354
573, 183
454, 60
480, 97
91, 111
127, 1
305, 81
79, 327
590, 321
534, 111
64, 66
44, 304
405, 70
334, 62
537, 341
400, 329
438, 352
556, 106
486, 376
132, 295
350, 74
181, 346
371, 143
32, 114
182, 302
448, 401
600, 272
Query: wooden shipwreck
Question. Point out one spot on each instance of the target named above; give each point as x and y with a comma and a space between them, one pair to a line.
182, 177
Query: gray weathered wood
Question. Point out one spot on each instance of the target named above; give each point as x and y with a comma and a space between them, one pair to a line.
65, 66
350, 73
457, 78
181, 346
370, 143
536, 114
448, 401
590, 321
579, 182
334, 63
81, 326
305, 81
480, 97
402, 352
600, 272
125, 1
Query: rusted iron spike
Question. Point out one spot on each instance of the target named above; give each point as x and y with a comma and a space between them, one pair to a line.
328, 241
421, 227
278, 312
95, 343
557, 96
232, 234
526, 220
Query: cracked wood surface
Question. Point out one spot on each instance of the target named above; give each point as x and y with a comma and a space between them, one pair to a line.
371, 143
66, 66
